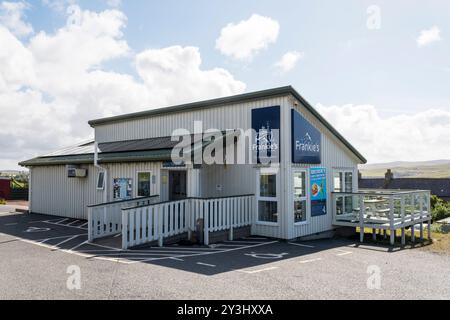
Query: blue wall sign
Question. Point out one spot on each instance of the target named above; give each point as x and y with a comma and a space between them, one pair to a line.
266, 140
318, 189
306, 140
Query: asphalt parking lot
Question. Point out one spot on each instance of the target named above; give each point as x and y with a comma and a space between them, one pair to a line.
38, 253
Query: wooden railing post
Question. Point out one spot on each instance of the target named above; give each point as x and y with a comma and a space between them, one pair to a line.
391, 220
124, 230
230, 217
159, 214
90, 226
402, 215
206, 224
362, 210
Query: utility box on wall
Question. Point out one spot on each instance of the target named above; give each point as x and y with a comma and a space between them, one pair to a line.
76, 172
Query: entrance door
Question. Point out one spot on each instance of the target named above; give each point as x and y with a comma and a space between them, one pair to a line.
177, 185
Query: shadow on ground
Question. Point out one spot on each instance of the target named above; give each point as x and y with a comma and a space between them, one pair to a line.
248, 255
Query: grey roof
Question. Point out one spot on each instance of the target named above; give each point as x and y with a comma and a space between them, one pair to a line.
138, 145
84, 147
438, 186
152, 149
228, 100
136, 156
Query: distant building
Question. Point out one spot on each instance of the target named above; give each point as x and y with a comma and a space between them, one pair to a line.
438, 186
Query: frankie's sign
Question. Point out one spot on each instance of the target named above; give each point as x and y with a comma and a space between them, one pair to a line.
266, 138
306, 140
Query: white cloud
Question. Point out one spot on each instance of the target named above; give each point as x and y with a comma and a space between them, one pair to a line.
420, 136
246, 38
175, 72
429, 36
53, 83
11, 16
288, 61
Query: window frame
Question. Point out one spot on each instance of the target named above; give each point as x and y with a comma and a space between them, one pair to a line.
344, 171
137, 183
103, 182
304, 198
268, 171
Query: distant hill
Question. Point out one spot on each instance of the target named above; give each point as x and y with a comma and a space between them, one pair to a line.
405, 169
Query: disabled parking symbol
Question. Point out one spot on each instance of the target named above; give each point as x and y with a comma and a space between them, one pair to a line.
35, 229
267, 255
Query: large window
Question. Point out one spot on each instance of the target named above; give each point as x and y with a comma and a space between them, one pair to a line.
267, 196
300, 199
143, 183
343, 182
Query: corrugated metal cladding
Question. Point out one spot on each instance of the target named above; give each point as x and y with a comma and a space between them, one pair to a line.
229, 116
334, 156
53, 193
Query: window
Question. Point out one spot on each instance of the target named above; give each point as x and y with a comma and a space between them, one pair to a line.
343, 182
300, 199
143, 184
101, 180
267, 196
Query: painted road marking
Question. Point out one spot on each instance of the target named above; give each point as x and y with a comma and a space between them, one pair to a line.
67, 240
310, 260
71, 223
177, 259
209, 253
267, 255
11, 224
64, 225
256, 271
343, 252
35, 229
206, 264
301, 245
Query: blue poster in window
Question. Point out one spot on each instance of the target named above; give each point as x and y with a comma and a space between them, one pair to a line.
122, 188
266, 139
318, 189
306, 140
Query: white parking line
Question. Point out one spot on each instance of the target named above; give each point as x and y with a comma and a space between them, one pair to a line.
63, 225
103, 246
209, 253
71, 223
256, 271
83, 224
310, 260
343, 252
11, 224
301, 245
61, 221
206, 264
67, 240
177, 259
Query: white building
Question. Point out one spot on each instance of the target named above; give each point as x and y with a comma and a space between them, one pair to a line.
289, 200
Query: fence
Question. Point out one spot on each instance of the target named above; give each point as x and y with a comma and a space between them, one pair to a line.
147, 223
384, 210
105, 219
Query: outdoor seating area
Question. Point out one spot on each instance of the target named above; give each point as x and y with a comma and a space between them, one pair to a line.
383, 210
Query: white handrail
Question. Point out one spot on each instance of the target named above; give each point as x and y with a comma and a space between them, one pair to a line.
155, 222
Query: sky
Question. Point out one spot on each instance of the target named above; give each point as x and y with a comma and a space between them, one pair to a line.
379, 71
